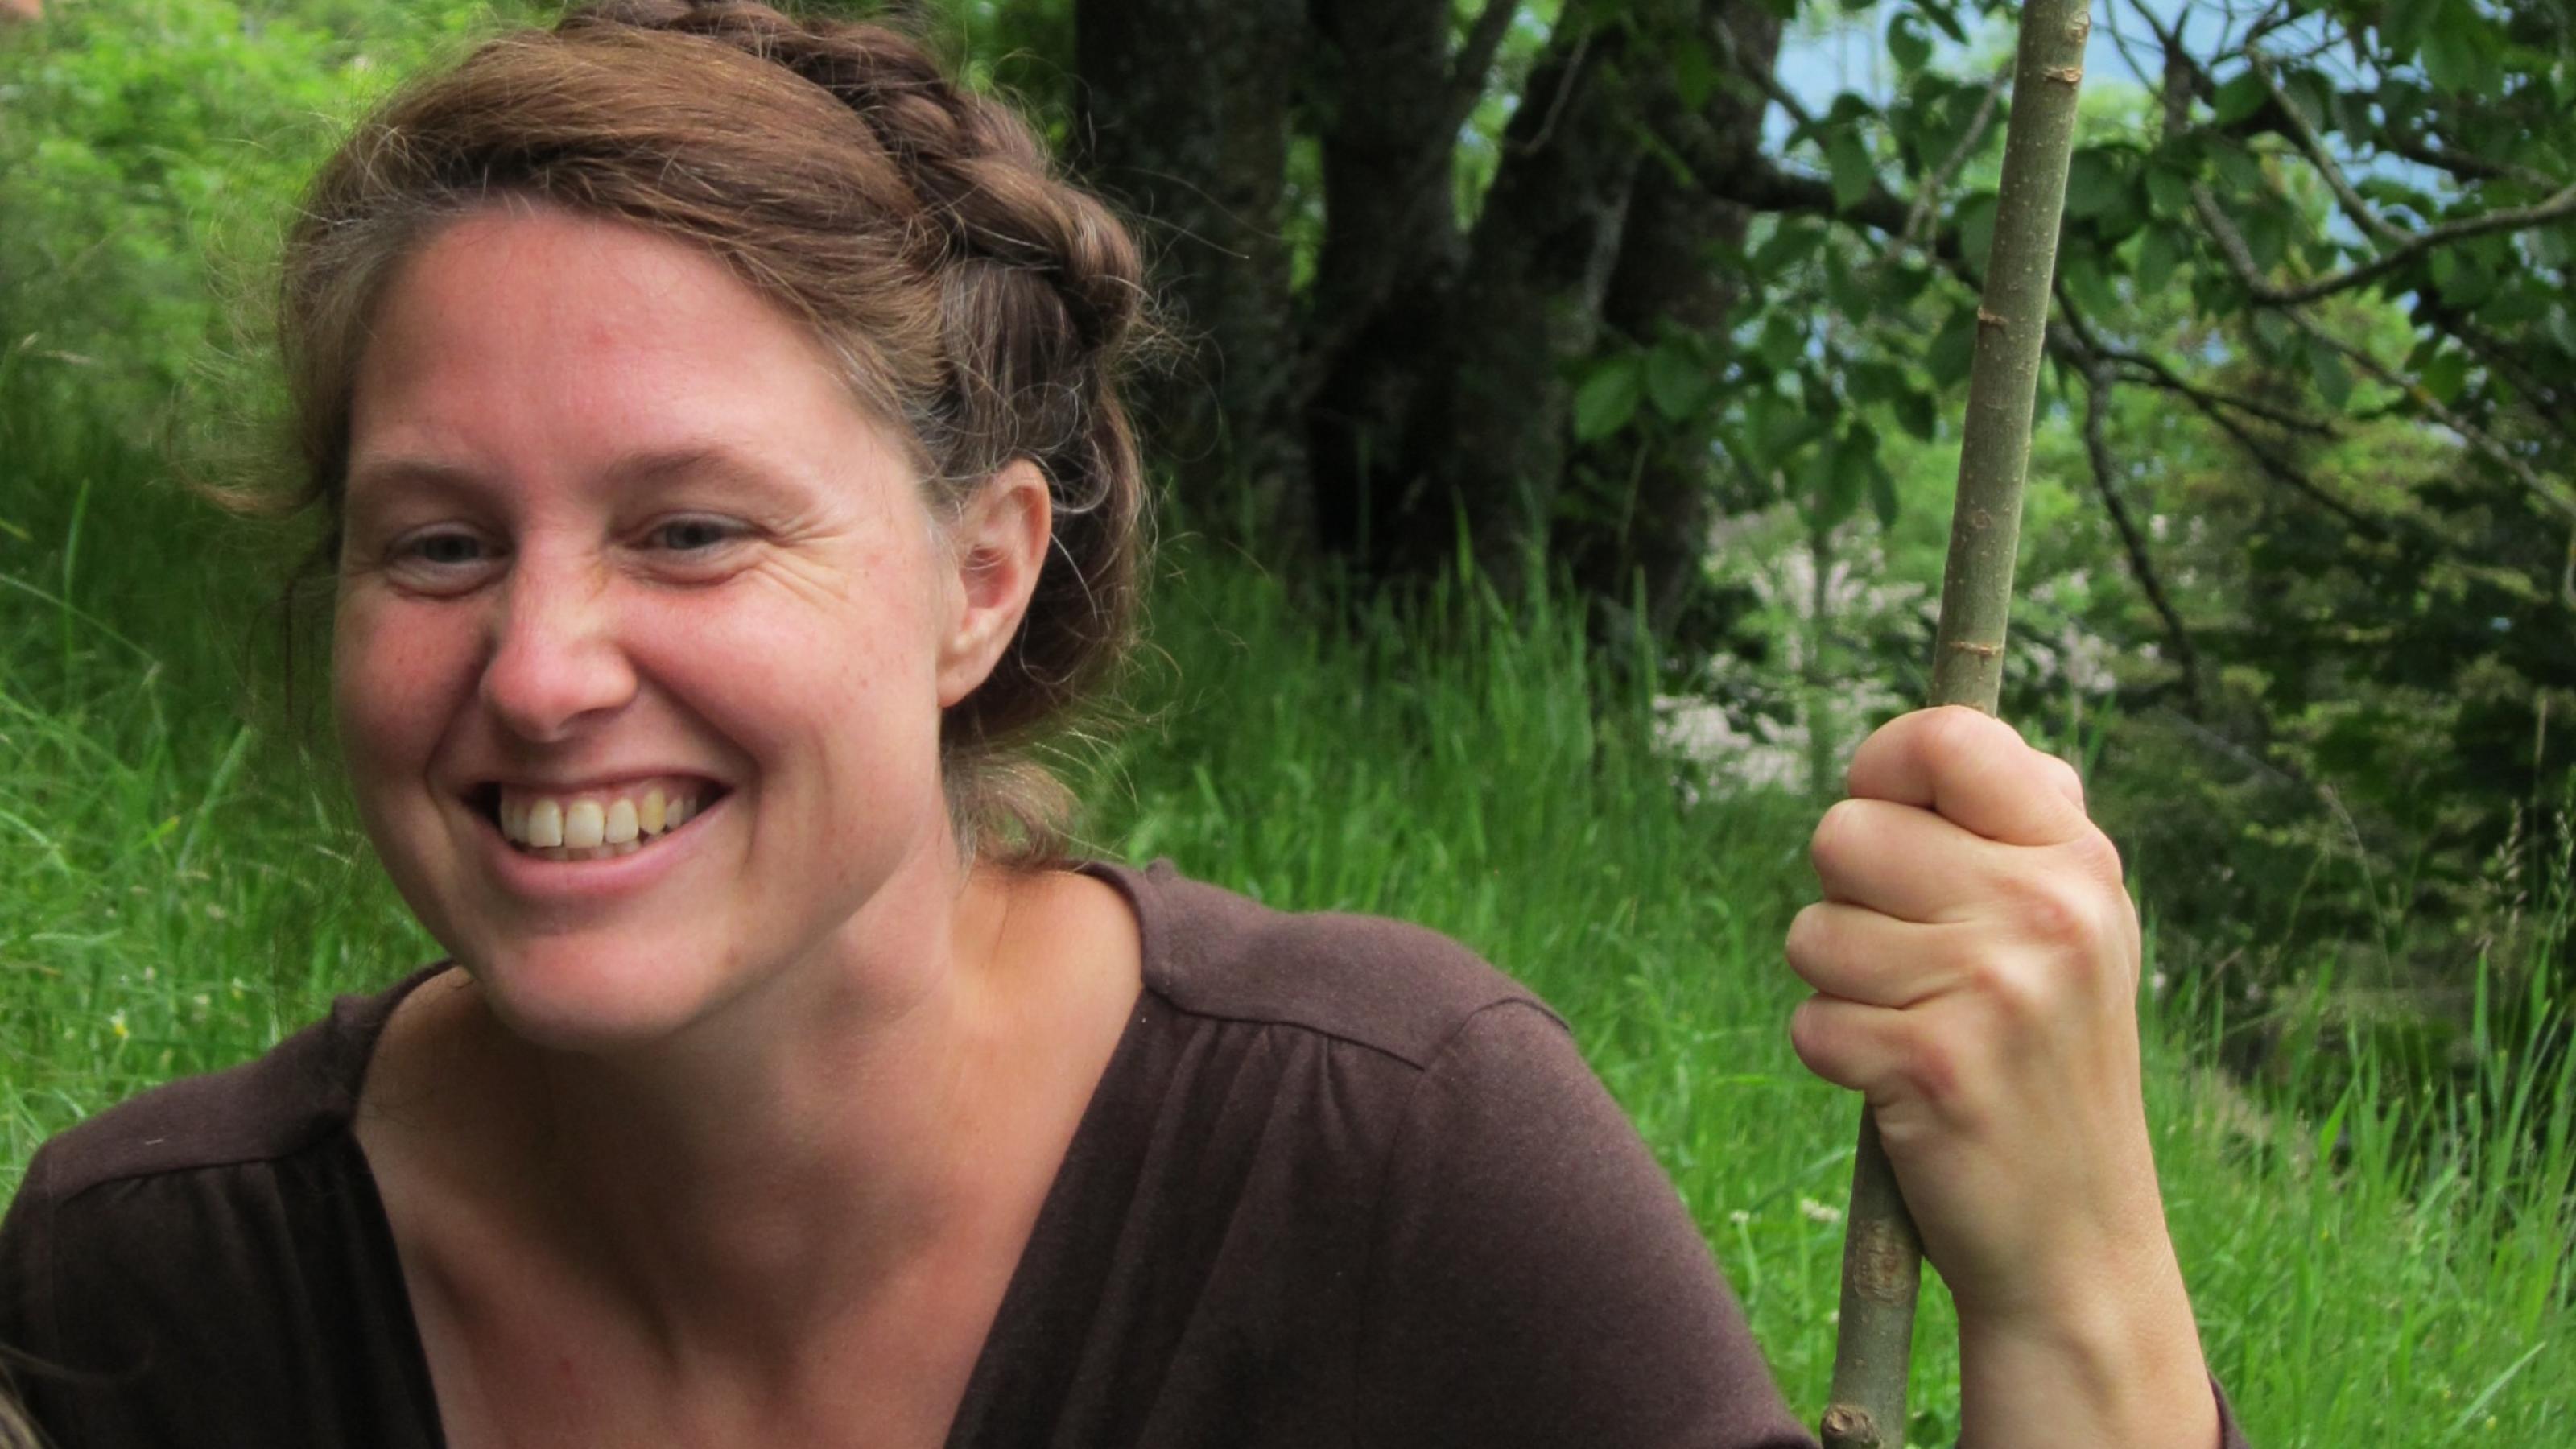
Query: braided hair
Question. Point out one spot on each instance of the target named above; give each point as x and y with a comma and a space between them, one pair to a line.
973, 299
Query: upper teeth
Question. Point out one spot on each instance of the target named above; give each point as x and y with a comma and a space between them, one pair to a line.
583, 821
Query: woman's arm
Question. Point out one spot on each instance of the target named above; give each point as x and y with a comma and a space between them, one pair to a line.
1976, 963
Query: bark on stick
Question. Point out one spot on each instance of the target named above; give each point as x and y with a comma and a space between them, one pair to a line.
1882, 1256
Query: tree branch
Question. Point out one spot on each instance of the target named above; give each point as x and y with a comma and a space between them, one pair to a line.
2371, 223
1928, 195
2155, 372
2477, 437
2097, 450
1476, 57
2466, 165
2240, 258
2549, 402
2281, 472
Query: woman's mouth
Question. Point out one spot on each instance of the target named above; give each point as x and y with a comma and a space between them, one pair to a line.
598, 823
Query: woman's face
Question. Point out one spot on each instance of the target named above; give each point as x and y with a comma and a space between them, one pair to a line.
619, 547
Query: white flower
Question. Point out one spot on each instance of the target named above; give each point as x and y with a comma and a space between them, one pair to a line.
1817, 1212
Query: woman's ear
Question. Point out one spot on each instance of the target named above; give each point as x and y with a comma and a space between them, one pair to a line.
998, 544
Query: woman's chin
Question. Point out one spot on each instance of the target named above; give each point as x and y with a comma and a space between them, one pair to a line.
591, 1001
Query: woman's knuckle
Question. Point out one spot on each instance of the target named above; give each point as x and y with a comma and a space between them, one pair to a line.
1807, 1033
1932, 1070
1807, 932
1837, 836
2054, 915
2019, 995
2097, 856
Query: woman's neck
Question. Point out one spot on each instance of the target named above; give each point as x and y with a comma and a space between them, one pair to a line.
827, 1138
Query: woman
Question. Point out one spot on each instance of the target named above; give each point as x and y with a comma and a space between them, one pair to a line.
715, 417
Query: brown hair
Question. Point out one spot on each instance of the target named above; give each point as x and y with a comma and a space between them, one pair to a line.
974, 299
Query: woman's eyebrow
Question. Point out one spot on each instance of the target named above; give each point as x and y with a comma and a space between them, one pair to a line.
708, 461
711, 462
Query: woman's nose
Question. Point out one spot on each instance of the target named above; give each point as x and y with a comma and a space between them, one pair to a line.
557, 658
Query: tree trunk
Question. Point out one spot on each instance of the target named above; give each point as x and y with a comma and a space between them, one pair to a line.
1184, 120
1485, 442
1654, 498
1389, 116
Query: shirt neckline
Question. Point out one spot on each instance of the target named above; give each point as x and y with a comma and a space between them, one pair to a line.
357, 1022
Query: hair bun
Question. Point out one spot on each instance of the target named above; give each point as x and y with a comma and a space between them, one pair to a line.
975, 164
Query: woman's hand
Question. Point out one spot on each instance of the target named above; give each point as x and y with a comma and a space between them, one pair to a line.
1976, 963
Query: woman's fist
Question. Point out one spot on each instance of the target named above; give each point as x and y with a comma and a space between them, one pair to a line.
1975, 960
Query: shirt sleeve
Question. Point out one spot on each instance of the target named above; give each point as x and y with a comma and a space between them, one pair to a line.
30, 1339
1534, 1277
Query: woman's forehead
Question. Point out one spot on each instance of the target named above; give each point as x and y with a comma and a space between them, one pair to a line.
547, 336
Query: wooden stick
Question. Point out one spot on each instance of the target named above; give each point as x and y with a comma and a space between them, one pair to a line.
1882, 1256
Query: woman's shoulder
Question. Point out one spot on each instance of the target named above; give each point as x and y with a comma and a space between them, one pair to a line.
1395, 987
298, 1093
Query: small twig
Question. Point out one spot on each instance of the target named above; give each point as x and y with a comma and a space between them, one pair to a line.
1927, 197
2478, 438
2157, 373
2314, 147
1556, 102
1475, 58
2231, 244
2098, 381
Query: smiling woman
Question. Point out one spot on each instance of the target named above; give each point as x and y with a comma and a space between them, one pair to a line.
715, 421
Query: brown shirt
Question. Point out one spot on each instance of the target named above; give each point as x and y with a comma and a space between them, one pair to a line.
1341, 1184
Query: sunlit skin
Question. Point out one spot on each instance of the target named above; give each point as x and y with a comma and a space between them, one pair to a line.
735, 1137
1976, 963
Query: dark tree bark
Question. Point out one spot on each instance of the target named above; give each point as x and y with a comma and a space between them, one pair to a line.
1485, 441
1650, 521
1184, 119
1389, 116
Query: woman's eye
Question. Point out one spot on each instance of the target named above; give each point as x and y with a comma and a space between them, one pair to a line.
443, 550
693, 535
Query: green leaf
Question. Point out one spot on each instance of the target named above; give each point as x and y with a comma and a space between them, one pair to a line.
2309, 96
2096, 181
2461, 53
2403, 25
1790, 243
2333, 377
1782, 343
1944, 14
2460, 279
2447, 375
1882, 490
1694, 72
1846, 289
1915, 413
1608, 398
1953, 350
2081, 273
1907, 45
1676, 380
2237, 168
2554, 246
1836, 479
2169, 189
1847, 157
2161, 251
2266, 229
1976, 220
1872, 382
2241, 96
